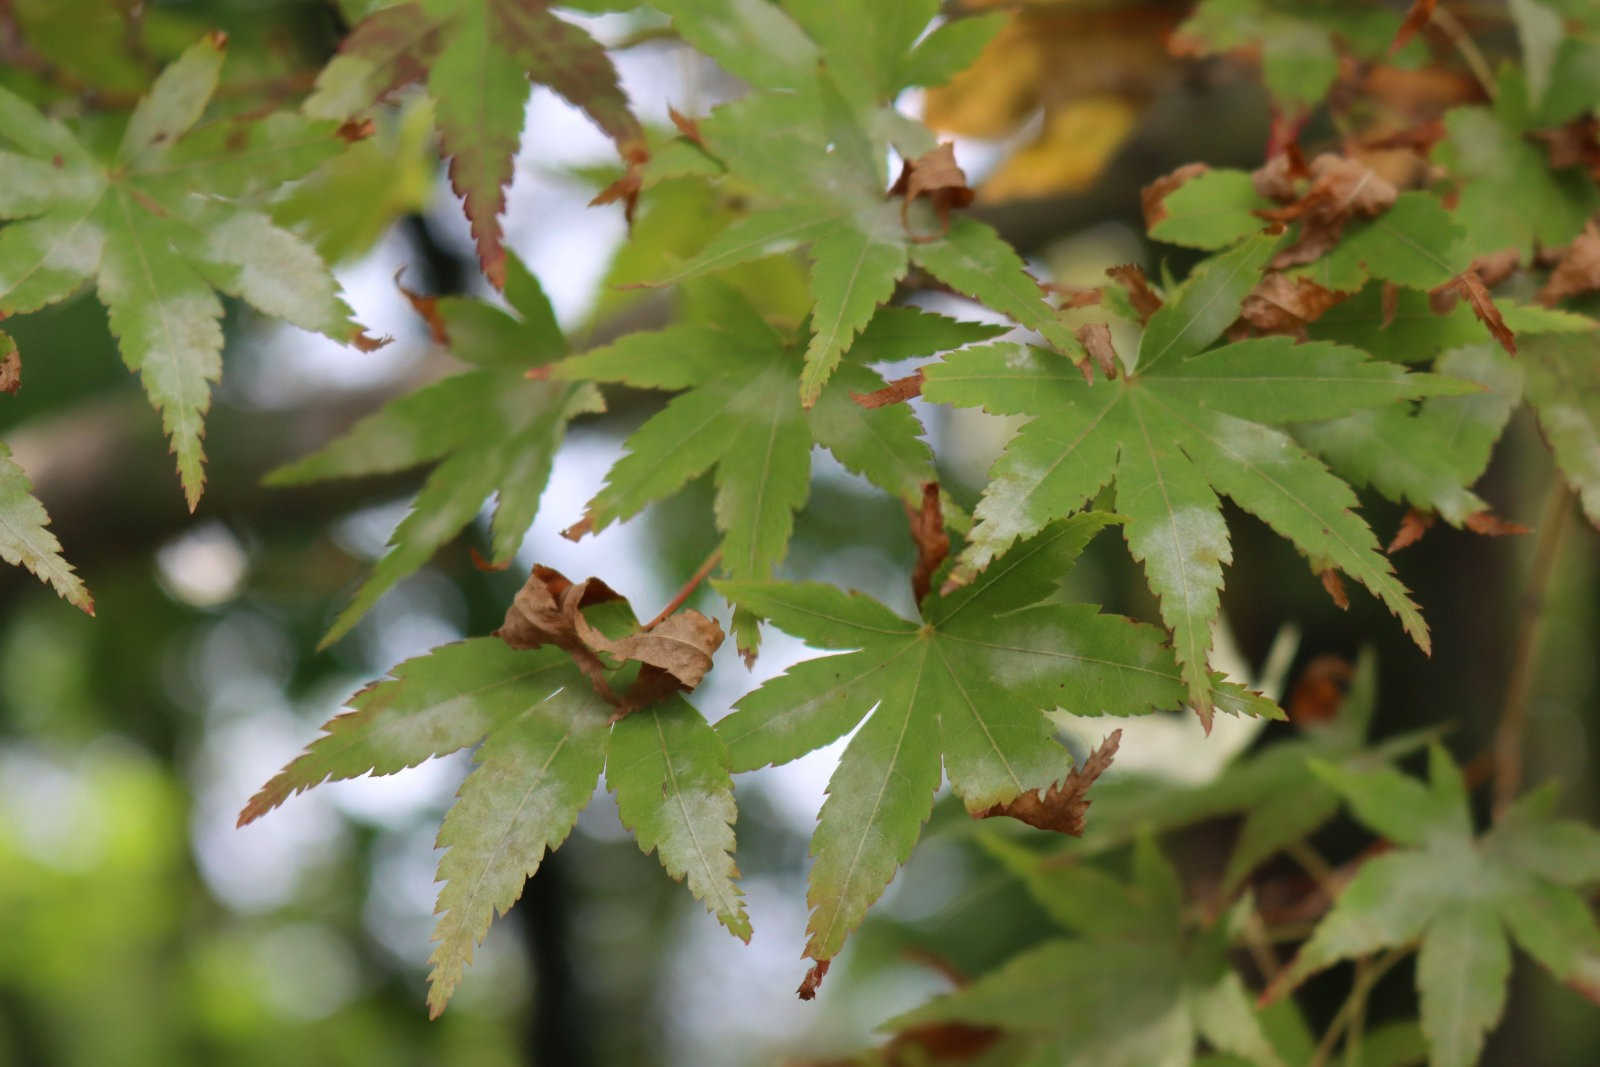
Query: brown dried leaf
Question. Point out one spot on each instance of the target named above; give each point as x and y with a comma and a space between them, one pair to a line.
1131, 277
1320, 690
1469, 285
936, 175
1577, 144
675, 654
486, 565
1096, 340
577, 530
1284, 304
933, 543
627, 187
686, 125
1421, 11
1062, 807
543, 613
427, 307
1491, 525
1578, 270
1334, 584
1341, 188
1495, 267
813, 979
11, 372
897, 391
1153, 197
1412, 527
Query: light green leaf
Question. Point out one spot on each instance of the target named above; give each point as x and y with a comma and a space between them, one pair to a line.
669, 771
750, 38
174, 104
1510, 198
1207, 304
977, 679
25, 537
532, 776
1166, 438
948, 50
159, 228
851, 274
1462, 971
1563, 387
1415, 243
1211, 211
429, 706
974, 260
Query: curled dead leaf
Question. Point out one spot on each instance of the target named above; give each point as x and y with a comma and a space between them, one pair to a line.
544, 612
1341, 188
1096, 340
577, 530
675, 654
813, 980
1285, 304
1073, 296
1131, 277
928, 533
1578, 270
1469, 285
1064, 806
1320, 690
1495, 267
936, 175
354, 130
11, 372
897, 391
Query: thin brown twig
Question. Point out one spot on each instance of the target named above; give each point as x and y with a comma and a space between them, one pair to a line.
687, 591
1507, 748
1451, 27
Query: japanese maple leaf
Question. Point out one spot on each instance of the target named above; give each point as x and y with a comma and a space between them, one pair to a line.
1133, 987
739, 412
968, 683
494, 431
542, 734
822, 180
1460, 895
1181, 426
477, 58
160, 227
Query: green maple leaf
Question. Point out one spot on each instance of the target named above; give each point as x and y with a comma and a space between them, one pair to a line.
1460, 895
161, 227
1253, 787
970, 683
478, 57
1430, 457
1133, 988
492, 429
543, 736
1181, 427
1299, 44
1510, 197
881, 45
1563, 388
818, 165
25, 537
740, 413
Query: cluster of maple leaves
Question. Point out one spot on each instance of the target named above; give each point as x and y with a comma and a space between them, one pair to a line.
1277, 374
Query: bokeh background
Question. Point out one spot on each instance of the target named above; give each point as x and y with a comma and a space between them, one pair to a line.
138, 926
